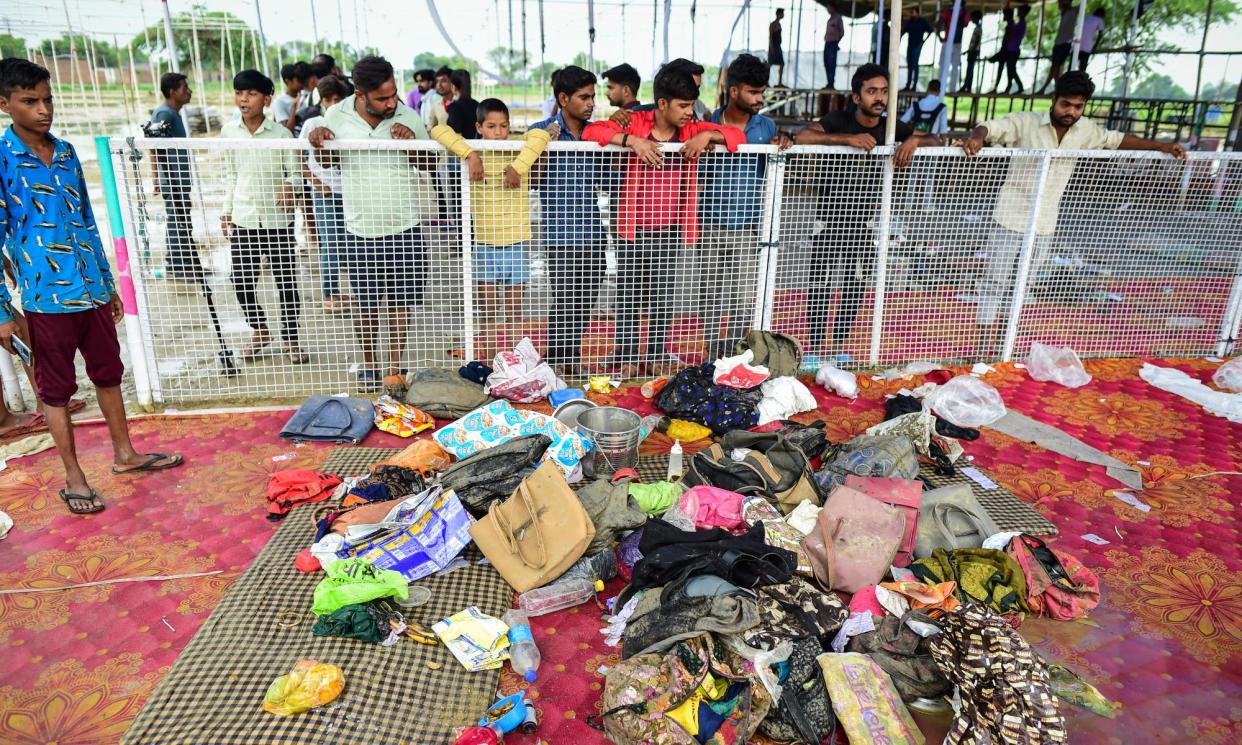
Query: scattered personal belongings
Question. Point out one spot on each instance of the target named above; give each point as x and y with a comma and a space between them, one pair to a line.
1057, 364
951, 518
6, 524
1227, 405
477, 640
400, 419
32, 445
521, 375
352, 581
444, 394
737, 372
868, 455
1229, 375
991, 578
1051, 438
779, 353
330, 419
1057, 583
308, 684
691, 395
1004, 687
423, 456
537, 533
419, 536
867, 705
1069, 686
499, 422
854, 540
782, 398
557, 398
841, 382
289, 489
494, 473
475, 371
903, 494
966, 401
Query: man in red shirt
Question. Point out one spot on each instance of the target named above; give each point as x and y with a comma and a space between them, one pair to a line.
657, 214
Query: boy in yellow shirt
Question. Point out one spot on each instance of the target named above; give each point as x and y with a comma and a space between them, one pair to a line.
500, 208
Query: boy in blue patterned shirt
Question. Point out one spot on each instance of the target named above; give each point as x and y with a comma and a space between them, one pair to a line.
67, 290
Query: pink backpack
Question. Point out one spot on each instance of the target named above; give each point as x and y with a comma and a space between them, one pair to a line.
1057, 584
854, 540
905, 495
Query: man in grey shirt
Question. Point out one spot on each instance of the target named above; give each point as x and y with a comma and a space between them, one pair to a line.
172, 179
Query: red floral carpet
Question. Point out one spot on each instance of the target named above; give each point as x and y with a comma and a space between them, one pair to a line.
1166, 641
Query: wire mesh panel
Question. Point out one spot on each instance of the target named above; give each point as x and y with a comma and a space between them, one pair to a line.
1139, 255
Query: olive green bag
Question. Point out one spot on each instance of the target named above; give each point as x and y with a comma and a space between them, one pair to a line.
781, 354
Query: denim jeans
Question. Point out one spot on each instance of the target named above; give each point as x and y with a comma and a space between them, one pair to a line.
330, 225
830, 61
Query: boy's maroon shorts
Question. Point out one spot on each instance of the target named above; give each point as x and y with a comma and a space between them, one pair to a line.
56, 338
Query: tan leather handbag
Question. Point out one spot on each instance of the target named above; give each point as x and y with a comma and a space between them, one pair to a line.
854, 540
537, 533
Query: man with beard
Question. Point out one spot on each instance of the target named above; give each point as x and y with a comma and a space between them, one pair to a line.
1063, 128
623, 83
731, 208
850, 203
384, 250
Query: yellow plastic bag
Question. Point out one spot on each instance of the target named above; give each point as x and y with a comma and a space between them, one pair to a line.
684, 431
308, 685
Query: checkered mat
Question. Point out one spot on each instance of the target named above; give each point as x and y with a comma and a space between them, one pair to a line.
355, 461
214, 691
1006, 510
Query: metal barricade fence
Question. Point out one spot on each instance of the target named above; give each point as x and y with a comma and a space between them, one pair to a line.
383, 256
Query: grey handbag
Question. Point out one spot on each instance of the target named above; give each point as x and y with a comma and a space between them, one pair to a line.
950, 518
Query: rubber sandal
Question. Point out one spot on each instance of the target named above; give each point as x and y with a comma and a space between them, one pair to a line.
149, 464
254, 348
98, 505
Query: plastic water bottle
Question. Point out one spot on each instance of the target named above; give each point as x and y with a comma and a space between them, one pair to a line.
674, 461
523, 654
651, 423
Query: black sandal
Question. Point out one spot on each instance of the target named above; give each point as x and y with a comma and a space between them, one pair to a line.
95, 504
174, 460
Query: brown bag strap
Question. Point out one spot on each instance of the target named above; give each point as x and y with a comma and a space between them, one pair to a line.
505, 528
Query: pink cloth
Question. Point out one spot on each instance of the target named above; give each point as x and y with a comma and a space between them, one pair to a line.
713, 507
865, 600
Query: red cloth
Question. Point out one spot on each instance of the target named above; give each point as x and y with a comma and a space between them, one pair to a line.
288, 489
641, 123
306, 563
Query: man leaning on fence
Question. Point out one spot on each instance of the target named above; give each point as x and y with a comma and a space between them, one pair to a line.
384, 195
258, 216
1061, 128
67, 290
571, 231
731, 208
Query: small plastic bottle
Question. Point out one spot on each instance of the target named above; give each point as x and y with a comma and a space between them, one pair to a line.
674, 462
523, 654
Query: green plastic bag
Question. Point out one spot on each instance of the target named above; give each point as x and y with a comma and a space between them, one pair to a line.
655, 499
352, 581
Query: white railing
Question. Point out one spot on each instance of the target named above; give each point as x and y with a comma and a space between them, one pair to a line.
831, 245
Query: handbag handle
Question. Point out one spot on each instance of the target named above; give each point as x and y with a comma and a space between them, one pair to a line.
505, 529
940, 513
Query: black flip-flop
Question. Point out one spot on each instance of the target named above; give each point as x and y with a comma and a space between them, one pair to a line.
149, 464
93, 497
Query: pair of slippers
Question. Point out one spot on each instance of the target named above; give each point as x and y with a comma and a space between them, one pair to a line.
88, 504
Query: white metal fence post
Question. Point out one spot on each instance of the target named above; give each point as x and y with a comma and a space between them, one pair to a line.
881, 261
131, 266
12, 386
770, 242
1231, 321
467, 261
1025, 259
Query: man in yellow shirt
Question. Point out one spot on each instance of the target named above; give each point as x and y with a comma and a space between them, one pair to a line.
500, 208
1061, 128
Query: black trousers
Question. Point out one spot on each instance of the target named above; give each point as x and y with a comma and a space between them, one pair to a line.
969, 83
652, 255
575, 274
250, 246
180, 257
835, 256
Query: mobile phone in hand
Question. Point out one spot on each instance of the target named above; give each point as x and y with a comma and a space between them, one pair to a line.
22, 350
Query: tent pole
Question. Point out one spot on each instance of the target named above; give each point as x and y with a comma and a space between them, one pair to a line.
1082, 19
879, 30
1131, 37
894, 63
1039, 46
1207, 24
946, 52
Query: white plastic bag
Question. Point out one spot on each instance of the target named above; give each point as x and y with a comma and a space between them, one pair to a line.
966, 401
841, 382
1229, 375
1058, 364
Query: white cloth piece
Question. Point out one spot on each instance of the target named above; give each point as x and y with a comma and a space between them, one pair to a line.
737, 372
859, 623
1227, 405
325, 549
841, 382
895, 603
803, 517
616, 624
782, 398
6, 524
918, 367
521, 375
999, 541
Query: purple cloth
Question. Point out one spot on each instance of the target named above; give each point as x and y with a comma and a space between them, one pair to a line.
414, 98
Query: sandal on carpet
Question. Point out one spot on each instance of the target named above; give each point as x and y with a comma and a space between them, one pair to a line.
149, 464
91, 501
